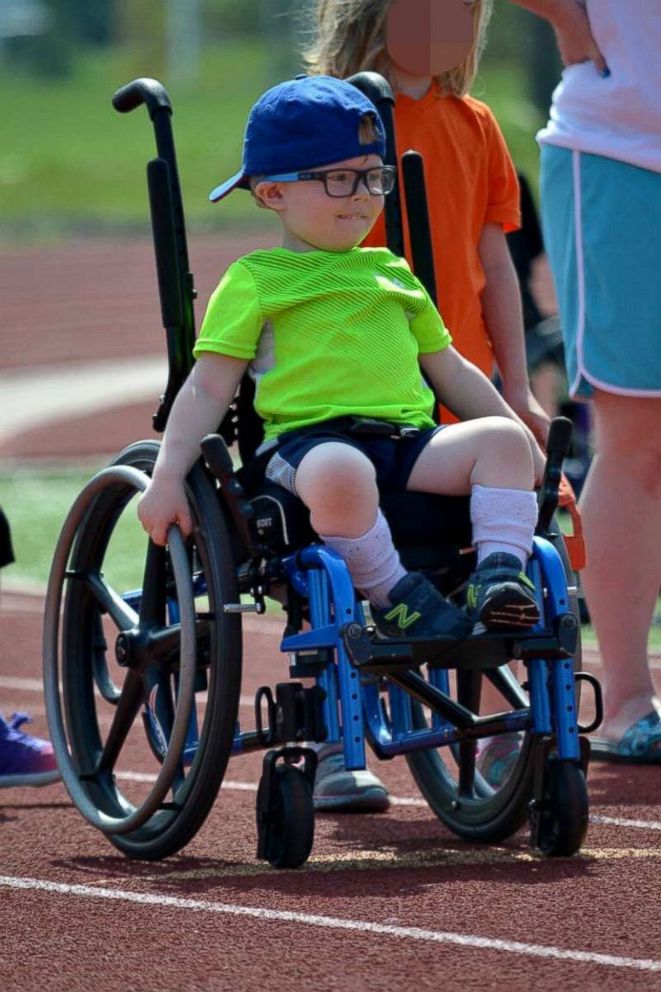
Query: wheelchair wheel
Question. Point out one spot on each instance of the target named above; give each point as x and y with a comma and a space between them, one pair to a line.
285, 811
130, 627
449, 778
564, 814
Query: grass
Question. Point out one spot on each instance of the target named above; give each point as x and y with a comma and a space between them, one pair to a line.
37, 501
68, 161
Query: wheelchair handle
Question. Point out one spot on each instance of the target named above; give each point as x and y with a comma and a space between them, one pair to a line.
374, 86
557, 448
144, 90
378, 90
417, 208
175, 280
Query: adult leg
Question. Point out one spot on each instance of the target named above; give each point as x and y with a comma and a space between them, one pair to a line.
621, 507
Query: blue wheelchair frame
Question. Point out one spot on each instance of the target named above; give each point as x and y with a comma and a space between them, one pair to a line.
352, 711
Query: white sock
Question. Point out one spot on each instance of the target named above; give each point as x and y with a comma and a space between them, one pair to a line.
372, 560
503, 521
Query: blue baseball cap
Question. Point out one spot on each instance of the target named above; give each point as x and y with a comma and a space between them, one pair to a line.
304, 123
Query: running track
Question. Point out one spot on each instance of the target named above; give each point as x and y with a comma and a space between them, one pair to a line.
387, 902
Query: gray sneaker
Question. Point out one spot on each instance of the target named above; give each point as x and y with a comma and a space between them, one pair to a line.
342, 791
501, 596
418, 610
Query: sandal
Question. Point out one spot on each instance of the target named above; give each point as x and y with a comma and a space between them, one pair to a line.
639, 745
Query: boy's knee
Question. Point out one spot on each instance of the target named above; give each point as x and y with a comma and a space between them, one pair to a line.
338, 471
506, 434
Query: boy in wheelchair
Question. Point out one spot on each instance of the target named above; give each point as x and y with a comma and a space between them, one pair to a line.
343, 341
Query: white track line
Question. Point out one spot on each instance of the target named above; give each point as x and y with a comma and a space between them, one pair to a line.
335, 923
612, 821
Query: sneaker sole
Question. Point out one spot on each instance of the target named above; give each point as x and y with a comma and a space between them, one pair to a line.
373, 801
33, 779
503, 611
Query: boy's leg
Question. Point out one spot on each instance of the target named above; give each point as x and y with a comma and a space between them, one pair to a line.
491, 459
337, 482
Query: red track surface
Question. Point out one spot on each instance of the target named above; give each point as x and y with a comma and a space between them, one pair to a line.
215, 918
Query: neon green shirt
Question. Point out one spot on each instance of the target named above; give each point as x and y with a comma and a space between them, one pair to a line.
329, 334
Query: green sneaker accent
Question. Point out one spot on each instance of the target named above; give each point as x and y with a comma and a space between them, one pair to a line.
402, 615
417, 608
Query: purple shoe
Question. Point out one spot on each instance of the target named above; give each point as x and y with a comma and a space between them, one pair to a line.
24, 760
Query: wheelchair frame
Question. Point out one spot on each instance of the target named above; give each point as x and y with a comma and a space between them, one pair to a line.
365, 689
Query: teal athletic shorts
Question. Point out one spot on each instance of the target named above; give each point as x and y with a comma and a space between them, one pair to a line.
602, 230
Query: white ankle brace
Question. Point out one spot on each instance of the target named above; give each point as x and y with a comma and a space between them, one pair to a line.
372, 560
503, 520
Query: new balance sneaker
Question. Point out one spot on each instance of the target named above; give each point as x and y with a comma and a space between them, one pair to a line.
342, 791
419, 610
24, 760
500, 595
496, 757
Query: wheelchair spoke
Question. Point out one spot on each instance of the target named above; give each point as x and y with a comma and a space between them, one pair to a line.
469, 685
102, 679
128, 704
152, 604
111, 602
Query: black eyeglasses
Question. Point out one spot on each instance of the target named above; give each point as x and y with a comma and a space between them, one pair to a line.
379, 180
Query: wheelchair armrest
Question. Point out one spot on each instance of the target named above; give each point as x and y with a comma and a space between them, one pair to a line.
219, 463
556, 450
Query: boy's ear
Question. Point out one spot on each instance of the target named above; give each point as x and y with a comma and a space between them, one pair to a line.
269, 195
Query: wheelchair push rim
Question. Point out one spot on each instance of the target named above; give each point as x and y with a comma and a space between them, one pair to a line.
81, 785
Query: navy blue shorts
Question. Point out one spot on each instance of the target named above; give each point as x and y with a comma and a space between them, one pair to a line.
392, 458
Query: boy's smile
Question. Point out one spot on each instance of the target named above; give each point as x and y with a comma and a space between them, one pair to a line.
312, 220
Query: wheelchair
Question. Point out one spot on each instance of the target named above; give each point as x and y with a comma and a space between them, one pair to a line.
143, 644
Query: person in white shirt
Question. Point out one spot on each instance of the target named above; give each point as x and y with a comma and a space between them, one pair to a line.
601, 214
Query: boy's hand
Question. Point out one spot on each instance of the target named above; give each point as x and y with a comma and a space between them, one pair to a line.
531, 413
163, 503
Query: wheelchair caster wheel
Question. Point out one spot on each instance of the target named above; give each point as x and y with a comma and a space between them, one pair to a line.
563, 813
285, 810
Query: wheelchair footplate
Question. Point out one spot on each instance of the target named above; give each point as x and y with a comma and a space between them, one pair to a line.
370, 652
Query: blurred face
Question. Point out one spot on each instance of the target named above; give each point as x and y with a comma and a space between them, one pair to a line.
428, 37
314, 220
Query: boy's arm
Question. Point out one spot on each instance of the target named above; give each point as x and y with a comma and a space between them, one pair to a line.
467, 392
570, 21
501, 307
198, 409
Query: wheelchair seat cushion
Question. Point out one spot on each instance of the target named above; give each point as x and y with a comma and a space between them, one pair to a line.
429, 531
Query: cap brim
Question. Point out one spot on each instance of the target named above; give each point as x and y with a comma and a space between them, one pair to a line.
239, 180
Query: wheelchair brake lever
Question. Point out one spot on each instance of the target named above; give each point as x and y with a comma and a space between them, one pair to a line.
557, 448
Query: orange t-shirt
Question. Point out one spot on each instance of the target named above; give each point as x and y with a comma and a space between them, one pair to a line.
471, 181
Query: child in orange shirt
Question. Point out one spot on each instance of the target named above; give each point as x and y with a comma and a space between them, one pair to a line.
472, 187
429, 51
